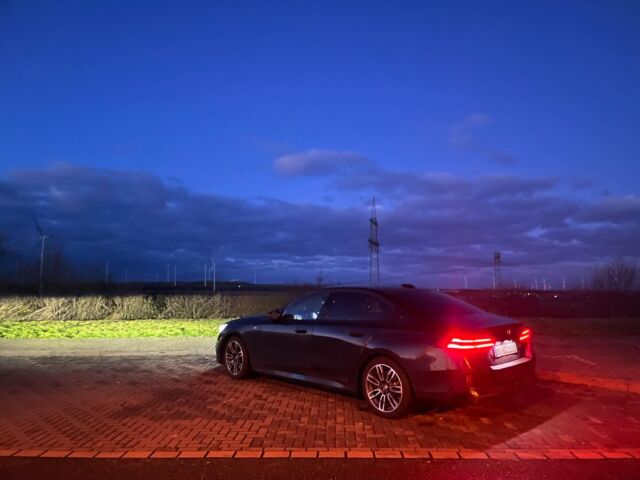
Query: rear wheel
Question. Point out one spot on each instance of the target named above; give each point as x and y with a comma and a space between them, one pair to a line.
386, 388
236, 358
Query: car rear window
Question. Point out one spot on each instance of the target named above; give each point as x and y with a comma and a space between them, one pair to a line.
427, 304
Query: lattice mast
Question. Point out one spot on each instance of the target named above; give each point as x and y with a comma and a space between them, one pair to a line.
374, 246
497, 270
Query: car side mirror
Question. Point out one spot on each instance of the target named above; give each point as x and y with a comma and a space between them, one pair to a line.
275, 315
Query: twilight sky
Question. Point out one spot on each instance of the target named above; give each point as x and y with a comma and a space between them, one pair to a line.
164, 132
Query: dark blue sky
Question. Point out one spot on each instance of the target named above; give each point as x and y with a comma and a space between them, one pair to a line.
462, 117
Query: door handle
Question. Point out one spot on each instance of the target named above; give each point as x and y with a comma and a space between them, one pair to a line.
301, 330
355, 334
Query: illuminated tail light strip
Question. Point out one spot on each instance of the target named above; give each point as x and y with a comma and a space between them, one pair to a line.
468, 344
525, 334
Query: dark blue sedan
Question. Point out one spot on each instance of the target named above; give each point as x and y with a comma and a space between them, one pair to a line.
391, 346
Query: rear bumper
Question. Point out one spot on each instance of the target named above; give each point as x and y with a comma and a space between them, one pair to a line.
507, 379
453, 384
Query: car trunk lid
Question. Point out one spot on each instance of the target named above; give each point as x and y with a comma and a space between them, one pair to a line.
485, 339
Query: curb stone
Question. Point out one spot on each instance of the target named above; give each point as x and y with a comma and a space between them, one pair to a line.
600, 382
356, 454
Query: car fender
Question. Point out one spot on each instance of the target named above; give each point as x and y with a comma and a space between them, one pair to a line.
365, 358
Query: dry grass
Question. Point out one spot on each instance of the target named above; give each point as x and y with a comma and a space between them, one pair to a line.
136, 307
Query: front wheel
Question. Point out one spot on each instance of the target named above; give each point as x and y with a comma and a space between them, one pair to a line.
386, 388
236, 358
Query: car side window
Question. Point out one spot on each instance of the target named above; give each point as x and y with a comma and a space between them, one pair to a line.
357, 307
376, 309
308, 307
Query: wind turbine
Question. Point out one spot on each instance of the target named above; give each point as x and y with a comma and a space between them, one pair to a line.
213, 269
43, 240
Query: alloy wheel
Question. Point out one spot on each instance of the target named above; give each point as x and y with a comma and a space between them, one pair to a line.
234, 357
383, 388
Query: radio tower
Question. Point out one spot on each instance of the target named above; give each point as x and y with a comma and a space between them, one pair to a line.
374, 246
497, 270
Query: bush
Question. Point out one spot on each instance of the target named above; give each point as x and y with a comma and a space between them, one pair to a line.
136, 307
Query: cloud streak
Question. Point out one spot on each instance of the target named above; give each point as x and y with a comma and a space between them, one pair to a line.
464, 137
320, 163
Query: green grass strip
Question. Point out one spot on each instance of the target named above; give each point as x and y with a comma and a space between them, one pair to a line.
110, 328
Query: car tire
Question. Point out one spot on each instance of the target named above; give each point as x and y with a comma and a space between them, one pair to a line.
236, 358
386, 388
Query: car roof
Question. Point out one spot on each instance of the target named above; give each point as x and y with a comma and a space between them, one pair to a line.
388, 291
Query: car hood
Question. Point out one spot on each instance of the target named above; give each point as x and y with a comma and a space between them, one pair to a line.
244, 321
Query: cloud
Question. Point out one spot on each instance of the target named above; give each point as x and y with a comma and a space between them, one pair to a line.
502, 158
578, 184
464, 137
434, 227
319, 163
624, 209
461, 133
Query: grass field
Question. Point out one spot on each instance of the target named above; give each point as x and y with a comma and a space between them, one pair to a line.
181, 327
110, 328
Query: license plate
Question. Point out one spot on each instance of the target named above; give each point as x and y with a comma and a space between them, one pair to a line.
508, 347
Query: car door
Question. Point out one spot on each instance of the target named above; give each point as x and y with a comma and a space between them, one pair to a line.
342, 333
285, 343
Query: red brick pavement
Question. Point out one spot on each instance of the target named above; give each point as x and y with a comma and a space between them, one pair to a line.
182, 407
598, 361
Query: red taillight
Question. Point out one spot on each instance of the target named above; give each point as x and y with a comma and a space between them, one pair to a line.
469, 343
525, 334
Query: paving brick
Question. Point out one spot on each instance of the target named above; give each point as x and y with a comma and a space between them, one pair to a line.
634, 452
138, 454
248, 454
109, 454
360, 454
55, 454
614, 455
192, 454
275, 454
304, 453
416, 454
501, 455
28, 453
164, 454
332, 453
220, 453
387, 454
530, 455
82, 454
587, 455
473, 455
444, 454
559, 454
